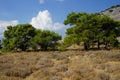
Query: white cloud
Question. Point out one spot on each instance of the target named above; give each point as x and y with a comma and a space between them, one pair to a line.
4, 24
41, 1
44, 21
58, 26
60, 0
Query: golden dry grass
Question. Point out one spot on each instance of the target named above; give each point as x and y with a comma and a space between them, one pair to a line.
56, 65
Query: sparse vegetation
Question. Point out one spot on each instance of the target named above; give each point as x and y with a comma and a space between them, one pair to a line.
66, 65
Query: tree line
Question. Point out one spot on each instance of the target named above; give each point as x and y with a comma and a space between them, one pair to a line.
91, 30
24, 36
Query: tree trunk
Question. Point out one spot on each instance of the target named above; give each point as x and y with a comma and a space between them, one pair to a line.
105, 45
45, 48
85, 46
98, 44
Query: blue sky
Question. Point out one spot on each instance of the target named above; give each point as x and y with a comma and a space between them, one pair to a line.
46, 14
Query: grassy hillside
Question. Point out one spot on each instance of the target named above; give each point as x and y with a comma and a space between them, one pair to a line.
67, 65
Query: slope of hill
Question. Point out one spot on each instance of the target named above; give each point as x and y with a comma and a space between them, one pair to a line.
67, 65
113, 12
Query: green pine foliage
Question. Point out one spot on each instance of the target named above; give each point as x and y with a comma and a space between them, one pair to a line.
91, 29
18, 37
45, 39
24, 36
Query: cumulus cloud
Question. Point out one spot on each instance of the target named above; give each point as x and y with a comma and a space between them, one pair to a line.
44, 21
4, 24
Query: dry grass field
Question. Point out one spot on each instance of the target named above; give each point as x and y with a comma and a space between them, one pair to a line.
56, 65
